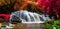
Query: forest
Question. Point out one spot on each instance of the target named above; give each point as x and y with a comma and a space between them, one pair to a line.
49, 9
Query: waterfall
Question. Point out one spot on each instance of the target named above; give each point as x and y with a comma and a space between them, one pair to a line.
28, 17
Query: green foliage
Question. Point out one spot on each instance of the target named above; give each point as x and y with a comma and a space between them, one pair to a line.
54, 24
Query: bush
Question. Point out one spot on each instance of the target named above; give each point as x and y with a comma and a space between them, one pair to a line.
54, 24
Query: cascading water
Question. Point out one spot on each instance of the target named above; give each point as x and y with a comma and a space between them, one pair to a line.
28, 17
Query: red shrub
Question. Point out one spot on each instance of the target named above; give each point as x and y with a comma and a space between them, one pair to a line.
6, 16
50, 6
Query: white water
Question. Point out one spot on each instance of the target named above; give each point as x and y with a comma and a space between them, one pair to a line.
29, 17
